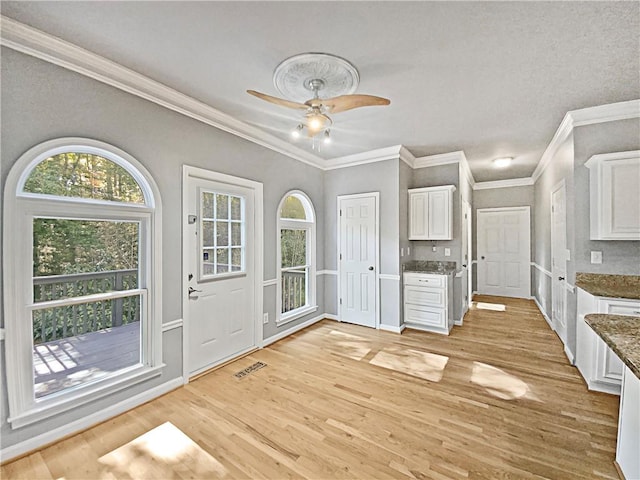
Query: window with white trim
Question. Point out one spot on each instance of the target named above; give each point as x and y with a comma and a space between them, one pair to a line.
296, 257
82, 236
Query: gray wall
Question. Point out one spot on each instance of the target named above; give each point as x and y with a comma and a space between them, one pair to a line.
560, 168
380, 177
621, 257
41, 101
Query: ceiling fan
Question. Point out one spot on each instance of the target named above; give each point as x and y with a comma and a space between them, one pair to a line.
315, 72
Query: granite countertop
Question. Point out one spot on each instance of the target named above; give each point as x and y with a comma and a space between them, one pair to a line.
622, 334
615, 286
428, 266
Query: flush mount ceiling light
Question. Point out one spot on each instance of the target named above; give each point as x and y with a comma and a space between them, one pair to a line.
502, 162
335, 77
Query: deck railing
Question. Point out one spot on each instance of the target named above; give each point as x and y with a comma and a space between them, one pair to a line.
66, 321
294, 290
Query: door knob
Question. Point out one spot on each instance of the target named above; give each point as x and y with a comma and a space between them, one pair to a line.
370, 268
193, 290
482, 257
464, 265
561, 278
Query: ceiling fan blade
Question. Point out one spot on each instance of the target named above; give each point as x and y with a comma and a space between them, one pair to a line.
278, 101
348, 102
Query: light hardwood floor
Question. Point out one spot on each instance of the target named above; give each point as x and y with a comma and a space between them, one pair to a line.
496, 399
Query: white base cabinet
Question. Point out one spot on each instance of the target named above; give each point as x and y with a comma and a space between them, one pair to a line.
598, 364
628, 446
427, 302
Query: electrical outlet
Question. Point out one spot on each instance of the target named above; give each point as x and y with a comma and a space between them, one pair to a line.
596, 257
447, 252
434, 249
265, 317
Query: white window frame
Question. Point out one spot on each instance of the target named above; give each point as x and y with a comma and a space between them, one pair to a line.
309, 225
19, 210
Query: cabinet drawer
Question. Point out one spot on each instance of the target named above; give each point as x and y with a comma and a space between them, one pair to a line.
435, 297
433, 317
425, 280
619, 307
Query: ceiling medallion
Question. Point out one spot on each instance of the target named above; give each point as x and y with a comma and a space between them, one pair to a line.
296, 76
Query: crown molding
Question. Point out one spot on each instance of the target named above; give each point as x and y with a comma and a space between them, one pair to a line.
512, 182
372, 156
33, 42
407, 157
579, 118
440, 159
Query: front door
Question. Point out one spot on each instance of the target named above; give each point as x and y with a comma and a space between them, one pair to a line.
559, 261
220, 259
358, 258
504, 260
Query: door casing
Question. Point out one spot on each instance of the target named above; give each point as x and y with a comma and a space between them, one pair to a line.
376, 196
258, 246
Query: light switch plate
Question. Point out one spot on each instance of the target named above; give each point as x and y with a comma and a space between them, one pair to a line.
265, 317
401, 251
596, 257
447, 252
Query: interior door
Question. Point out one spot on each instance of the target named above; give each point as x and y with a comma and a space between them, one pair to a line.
358, 259
559, 261
504, 245
220, 272
466, 256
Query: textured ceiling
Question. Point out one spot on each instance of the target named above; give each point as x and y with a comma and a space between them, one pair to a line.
492, 79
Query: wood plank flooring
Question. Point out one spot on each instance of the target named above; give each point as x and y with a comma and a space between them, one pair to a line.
496, 399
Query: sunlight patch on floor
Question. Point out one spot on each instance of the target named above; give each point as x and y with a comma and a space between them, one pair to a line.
496, 307
350, 346
499, 383
160, 453
428, 366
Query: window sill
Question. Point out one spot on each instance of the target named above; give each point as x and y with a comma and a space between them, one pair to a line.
51, 407
296, 314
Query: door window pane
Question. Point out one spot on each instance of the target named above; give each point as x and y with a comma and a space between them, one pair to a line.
222, 224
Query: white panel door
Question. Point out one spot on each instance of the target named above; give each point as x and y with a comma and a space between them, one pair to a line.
220, 257
503, 243
559, 261
357, 259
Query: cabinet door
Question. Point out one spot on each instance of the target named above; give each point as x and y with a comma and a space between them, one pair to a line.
621, 199
418, 208
439, 215
608, 366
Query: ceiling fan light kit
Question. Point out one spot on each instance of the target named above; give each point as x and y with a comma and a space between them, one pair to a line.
335, 77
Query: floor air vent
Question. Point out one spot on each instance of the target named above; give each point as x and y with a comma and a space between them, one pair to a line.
250, 369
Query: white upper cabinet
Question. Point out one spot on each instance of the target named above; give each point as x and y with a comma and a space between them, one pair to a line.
615, 196
430, 213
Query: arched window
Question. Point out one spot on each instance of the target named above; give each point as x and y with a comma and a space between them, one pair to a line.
82, 310
296, 257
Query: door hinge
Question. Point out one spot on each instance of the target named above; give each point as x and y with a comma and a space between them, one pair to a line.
340, 212
340, 301
340, 256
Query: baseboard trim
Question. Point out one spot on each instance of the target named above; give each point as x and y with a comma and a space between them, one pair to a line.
392, 328
331, 316
292, 330
544, 314
569, 355
57, 434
